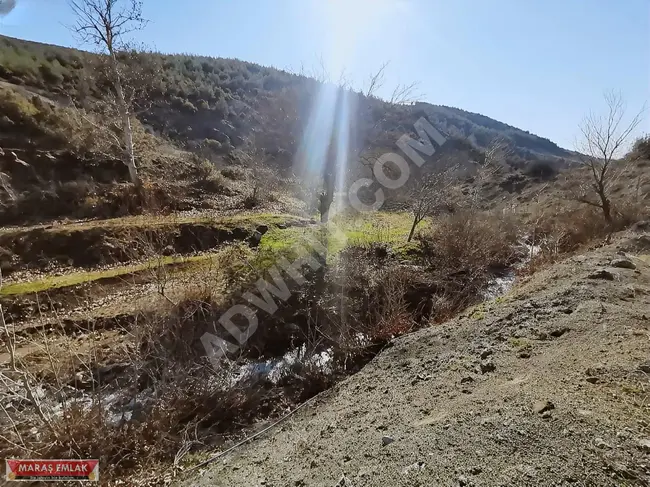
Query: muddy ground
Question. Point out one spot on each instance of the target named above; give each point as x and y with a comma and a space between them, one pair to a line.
548, 385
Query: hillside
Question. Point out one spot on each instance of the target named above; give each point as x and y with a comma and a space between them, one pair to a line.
547, 385
198, 100
150, 321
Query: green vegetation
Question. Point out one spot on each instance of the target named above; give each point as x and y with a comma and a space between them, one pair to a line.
222, 101
77, 278
519, 343
358, 230
250, 220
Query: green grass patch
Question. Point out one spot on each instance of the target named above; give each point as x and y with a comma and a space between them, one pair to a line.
360, 229
519, 343
251, 220
386, 227
77, 278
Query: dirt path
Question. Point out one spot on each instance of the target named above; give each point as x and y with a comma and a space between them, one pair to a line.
547, 386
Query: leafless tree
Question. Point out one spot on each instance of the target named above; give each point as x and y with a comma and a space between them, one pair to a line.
603, 137
495, 156
375, 81
430, 194
105, 23
497, 153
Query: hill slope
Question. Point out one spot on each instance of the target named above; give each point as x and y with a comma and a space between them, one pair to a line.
546, 386
220, 103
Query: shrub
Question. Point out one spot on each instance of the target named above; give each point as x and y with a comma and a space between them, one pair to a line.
234, 172
212, 144
641, 148
50, 76
468, 241
541, 170
205, 169
252, 200
215, 183
189, 106
210, 179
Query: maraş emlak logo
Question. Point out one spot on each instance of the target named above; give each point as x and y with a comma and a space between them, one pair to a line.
52, 470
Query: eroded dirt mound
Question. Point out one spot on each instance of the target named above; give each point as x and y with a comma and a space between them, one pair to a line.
546, 386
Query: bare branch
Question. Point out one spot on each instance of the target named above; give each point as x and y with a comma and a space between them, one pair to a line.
376, 81
405, 94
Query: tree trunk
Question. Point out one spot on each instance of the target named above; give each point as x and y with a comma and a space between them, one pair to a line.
415, 224
324, 207
605, 203
129, 153
607, 210
327, 196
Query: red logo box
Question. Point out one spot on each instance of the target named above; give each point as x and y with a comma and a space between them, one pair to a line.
52, 470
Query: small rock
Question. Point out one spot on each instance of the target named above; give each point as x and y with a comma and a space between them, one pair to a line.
642, 226
343, 482
645, 367
415, 467
547, 415
524, 355
475, 470
560, 331
623, 263
602, 274
624, 471
487, 367
644, 445
486, 353
466, 380
543, 406
462, 480
386, 440
593, 380
600, 443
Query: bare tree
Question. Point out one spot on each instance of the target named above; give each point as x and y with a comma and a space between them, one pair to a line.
495, 156
375, 82
602, 140
429, 194
105, 23
497, 152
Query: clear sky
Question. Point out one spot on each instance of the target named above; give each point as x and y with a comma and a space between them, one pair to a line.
540, 65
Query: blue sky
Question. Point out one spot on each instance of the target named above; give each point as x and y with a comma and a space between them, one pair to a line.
540, 65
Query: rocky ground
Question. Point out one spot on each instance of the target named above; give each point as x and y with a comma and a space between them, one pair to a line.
548, 385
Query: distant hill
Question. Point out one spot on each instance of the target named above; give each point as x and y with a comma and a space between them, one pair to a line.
216, 105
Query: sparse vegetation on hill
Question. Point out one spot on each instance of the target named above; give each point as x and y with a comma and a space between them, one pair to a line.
114, 288
198, 101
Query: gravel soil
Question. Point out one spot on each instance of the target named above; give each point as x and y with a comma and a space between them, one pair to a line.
548, 385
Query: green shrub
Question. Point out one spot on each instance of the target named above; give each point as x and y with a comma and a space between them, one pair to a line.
234, 172
641, 148
213, 145
189, 106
